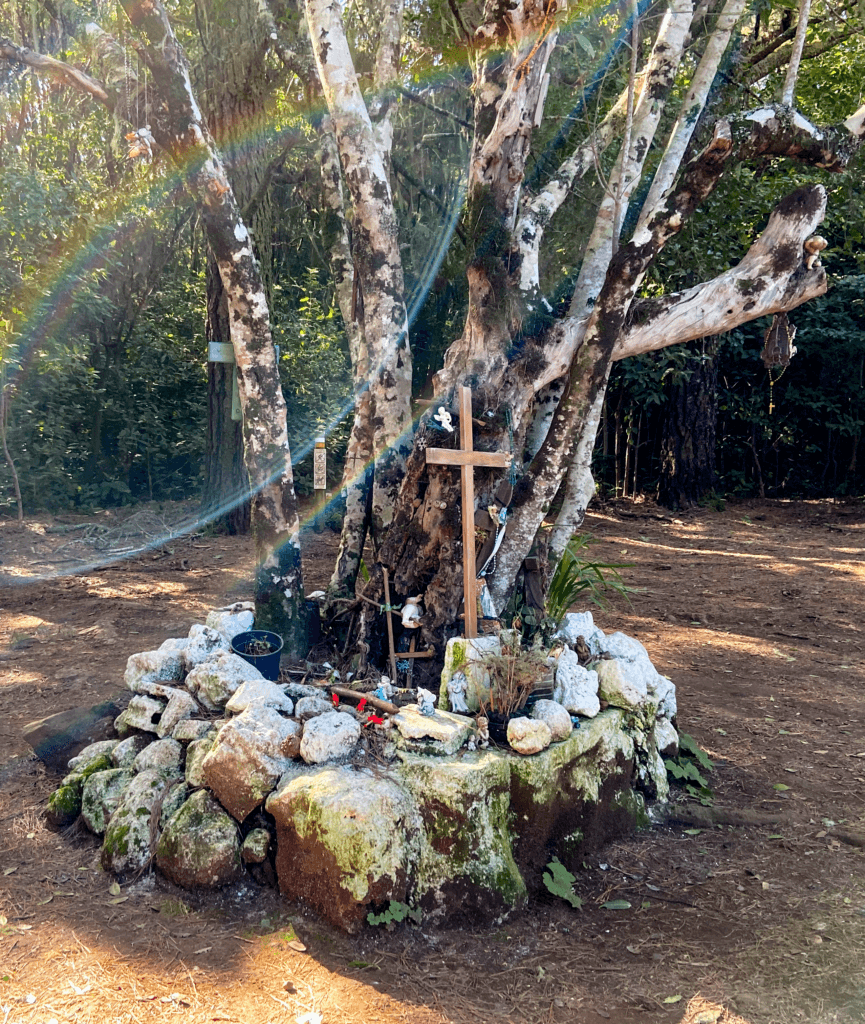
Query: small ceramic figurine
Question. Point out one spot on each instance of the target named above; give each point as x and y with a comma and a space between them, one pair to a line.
483, 733
443, 417
385, 689
411, 612
471, 745
457, 693
426, 701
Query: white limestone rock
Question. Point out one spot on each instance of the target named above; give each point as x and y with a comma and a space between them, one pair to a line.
298, 690
195, 755
666, 738
127, 750
199, 847
248, 756
190, 729
126, 847
663, 691
468, 656
328, 737
214, 682
556, 716
623, 684
233, 619
259, 691
624, 647
576, 687
164, 665
162, 756
576, 624
311, 706
101, 795
529, 735
142, 713
180, 705
442, 733
90, 753
204, 644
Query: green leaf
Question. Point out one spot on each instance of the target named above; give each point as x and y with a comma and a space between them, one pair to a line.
616, 905
560, 882
780, 787
693, 831
673, 999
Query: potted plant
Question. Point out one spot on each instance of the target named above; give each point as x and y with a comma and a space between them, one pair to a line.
260, 648
518, 678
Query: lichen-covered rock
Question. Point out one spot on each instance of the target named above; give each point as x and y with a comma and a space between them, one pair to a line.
298, 690
180, 705
248, 757
164, 665
440, 734
64, 804
255, 846
663, 692
345, 841
141, 713
622, 684
91, 753
191, 729
127, 750
199, 847
576, 687
127, 842
556, 716
100, 796
162, 756
215, 681
259, 691
195, 755
465, 868
310, 706
666, 738
328, 737
235, 618
468, 656
624, 647
581, 624
528, 735
175, 797
204, 644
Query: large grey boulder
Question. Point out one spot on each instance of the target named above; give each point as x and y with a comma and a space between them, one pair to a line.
259, 691
180, 706
195, 755
191, 729
214, 682
576, 687
328, 737
162, 756
127, 844
441, 734
101, 795
164, 665
623, 684
127, 750
248, 757
204, 644
311, 706
199, 847
233, 619
556, 716
90, 753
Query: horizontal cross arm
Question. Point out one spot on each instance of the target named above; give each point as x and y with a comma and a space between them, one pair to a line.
459, 457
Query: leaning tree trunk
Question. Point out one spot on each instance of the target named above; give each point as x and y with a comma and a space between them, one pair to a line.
688, 471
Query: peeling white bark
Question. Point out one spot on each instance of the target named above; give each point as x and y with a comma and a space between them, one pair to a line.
796, 54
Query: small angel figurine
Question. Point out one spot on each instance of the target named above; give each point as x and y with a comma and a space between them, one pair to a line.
426, 702
443, 417
385, 689
456, 692
411, 612
483, 733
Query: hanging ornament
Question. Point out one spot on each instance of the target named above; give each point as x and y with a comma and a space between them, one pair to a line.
778, 350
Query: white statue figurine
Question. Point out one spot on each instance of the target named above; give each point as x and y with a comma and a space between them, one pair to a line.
457, 693
443, 417
483, 733
411, 612
385, 689
426, 702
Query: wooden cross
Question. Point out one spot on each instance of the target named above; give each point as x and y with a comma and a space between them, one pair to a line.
467, 458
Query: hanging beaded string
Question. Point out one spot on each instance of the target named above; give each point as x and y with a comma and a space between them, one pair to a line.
772, 382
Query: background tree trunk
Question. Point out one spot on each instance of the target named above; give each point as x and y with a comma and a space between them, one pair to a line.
688, 471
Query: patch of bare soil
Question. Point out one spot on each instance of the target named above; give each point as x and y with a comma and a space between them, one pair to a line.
755, 612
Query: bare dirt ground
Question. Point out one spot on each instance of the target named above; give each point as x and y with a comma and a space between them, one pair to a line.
755, 612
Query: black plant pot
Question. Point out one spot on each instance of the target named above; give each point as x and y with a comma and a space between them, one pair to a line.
267, 663
498, 725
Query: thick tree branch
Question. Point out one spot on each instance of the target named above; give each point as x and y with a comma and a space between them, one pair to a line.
773, 276
58, 70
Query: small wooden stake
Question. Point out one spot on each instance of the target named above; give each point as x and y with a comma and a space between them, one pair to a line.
389, 626
467, 458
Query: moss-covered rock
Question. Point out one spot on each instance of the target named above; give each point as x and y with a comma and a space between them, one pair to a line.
468, 656
64, 804
255, 847
199, 847
131, 832
100, 796
346, 841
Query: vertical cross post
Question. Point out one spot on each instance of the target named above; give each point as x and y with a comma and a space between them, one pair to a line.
467, 458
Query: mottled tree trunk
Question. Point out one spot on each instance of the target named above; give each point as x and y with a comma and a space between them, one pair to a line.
688, 471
